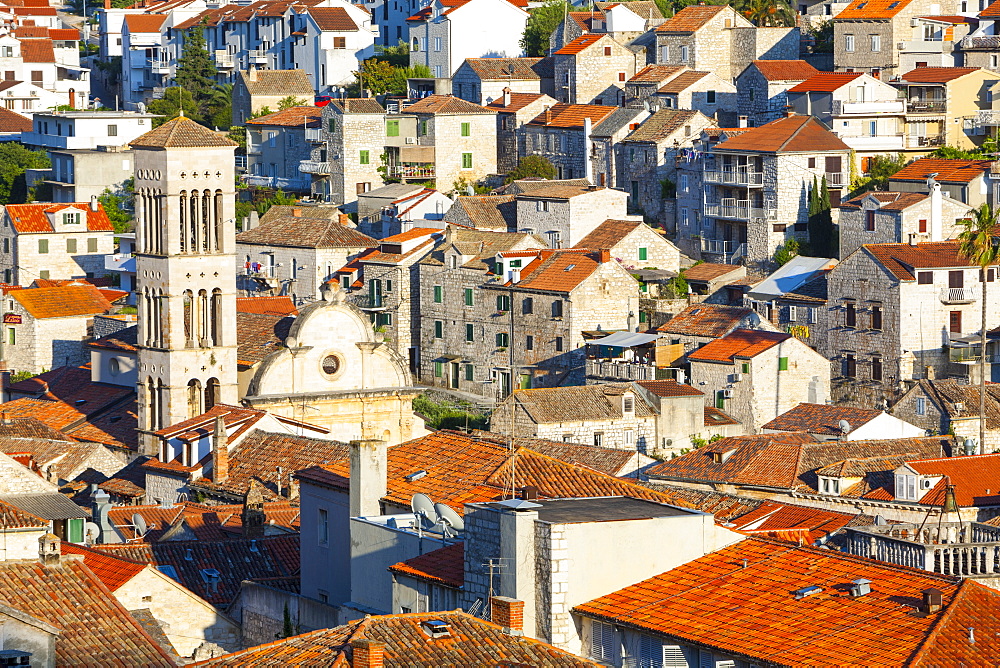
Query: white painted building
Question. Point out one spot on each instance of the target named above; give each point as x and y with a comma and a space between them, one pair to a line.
85, 129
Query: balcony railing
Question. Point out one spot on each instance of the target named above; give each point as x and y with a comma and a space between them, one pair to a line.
964, 549
885, 142
926, 46
959, 295
926, 106
620, 370
735, 177
412, 171
835, 178
991, 42
313, 167
369, 302
294, 185
741, 210
865, 108
920, 142
159, 66
223, 60
315, 135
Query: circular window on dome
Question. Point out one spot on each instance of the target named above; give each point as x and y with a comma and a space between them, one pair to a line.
332, 365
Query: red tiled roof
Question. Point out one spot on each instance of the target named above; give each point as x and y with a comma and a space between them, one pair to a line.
814, 523
114, 571
785, 70
64, 34
716, 418
974, 477
579, 44
31, 218
292, 117
872, 9
278, 305
11, 121
947, 171
217, 522
37, 50
335, 19
903, 259
562, 115
446, 104
608, 234
144, 22
655, 73
558, 271
936, 74
888, 200
759, 578
825, 82
741, 343
682, 81
706, 320
690, 19
65, 302
669, 388
708, 271
473, 642
518, 101
821, 418
444, 566
577, 403
15, 518
790, 134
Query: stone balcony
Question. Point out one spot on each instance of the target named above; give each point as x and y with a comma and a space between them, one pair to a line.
958, 295
963, 549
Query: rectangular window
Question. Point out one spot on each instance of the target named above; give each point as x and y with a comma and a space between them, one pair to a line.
922, 226
643, 253
43, 246
870, 221
91, 245
438, 329
468, 296
466, 129
437, 43
684, 54
925, 277
559, 344
955, 322
470, 332
598, 438
470, 372
438, 294
392, 128
6, 245
11, 336
502, 339
71, 219
921, 408
875, 41
331, 125
876, 368
557, 308
364, 157
340, 42
323, 527
782, 364
112, 130
438, 369
850, 315
813, 315
529, 342
43, 273
621, 76
503, 303
528, 306
466, 161
848, 43
710, 97
956, 279
71, 245
877, 318
423, 127
850, 365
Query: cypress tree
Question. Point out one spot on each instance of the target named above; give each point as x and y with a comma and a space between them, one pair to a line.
196, 70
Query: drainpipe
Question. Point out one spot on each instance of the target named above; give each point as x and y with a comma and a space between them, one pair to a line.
588, 166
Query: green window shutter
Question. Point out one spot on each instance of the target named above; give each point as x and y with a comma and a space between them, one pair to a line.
364, 159
466, 161
11, 336
331, 125
438, 329
468, 296
438, 367
642, 316
423, 127
720, 400
642, 253
392, 128
782, 364
469, 372
91, 245
438, 294
74, 530
43, 245
70, 245
746, 367
470, 332
466, 130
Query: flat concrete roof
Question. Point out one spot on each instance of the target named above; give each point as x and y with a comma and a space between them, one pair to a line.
604, 509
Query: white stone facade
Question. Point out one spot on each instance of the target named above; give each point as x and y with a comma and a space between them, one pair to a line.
595, 74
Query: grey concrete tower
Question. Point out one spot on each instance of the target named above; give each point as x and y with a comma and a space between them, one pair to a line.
185, 275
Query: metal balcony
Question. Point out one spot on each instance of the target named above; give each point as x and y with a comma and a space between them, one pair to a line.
315, 135
159, 67
223, 60
412, 171
926, 106
741, 210
257, 56
738, 177
959, 295
835, 179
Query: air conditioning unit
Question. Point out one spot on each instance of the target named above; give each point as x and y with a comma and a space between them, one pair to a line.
914, 22
727, 394
737, 377
959, 406
901, 46
411, 140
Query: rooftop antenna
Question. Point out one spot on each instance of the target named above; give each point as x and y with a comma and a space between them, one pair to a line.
92, 532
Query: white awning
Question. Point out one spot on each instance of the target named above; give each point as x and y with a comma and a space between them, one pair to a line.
625, 339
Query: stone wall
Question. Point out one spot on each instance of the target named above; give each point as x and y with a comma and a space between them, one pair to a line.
896, 226
24, 261
343, 142
300, 272
592, 76
42, 345
445, 133
660, 253
643, 437
261, 611
564, 148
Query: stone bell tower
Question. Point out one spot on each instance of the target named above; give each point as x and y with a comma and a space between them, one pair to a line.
185, 275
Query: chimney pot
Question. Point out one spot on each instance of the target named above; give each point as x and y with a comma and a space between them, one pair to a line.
297, 212
508, 613
345, 220
529, 493
931, 600
506, 96
368, 477
49, 549
220, 452
604, 255
367, 653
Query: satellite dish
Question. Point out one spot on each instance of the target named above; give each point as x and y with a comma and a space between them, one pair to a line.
753, 320
470, 191
92, 532
182, 497
845, 426
141, 107
449, 518
139, 523
423, 508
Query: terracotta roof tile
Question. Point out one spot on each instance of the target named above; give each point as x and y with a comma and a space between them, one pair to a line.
335, 19
936, 74
489, 212
124, 340
11, 121
707, 320
144, 22
260, 334
15, 518
518, 101
32, 218
716, 418
444, 566
37, 50
446, 104
825, 82
872, 9
277, 305
785, 70
495, 69
72, 598
563, 115
182, 132
112, 570
579, 44
655, 73
662, 124
682, 82
116, 426
974, 478
559, 270
608, 234
211, 523
292, 117
670, 388
793, 133
741, 343
708, 271
888, 201
813, 523
948, 171
690, 19
821, 418
903, 259
760, 577
578, 403
586, 19
473, 642
67, 302
302, 232
358, 105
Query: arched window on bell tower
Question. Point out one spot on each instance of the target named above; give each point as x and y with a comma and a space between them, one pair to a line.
219, 232
189, 319
216, 317
204, 318
182, 220
211, 393
194, 398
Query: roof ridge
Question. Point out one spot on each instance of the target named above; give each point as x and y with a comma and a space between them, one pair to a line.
931, 638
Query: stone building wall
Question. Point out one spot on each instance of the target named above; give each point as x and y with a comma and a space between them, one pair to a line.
592, 76
896, 226
767, 101
42, 345
445, 133
402, 302
343, 143
660, 253
564, 148
25, 262
301, 272
612, 431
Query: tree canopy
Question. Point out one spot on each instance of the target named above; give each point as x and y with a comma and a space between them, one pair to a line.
14, 160
532, 166
118, 205
542, 22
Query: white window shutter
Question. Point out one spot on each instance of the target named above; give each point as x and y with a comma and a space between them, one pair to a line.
673, 657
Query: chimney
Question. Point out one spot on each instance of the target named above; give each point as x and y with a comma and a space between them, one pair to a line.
94, 206
100, 504
220, 452
937, 233
529, 493
297, 212
743, 122
368, 477
506, 96
931, 600
508, 613
254, 220
49, 548
548, 115
252, 74
345, 220
367, 653
107, 4
588, 147
604, 255
253, 517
